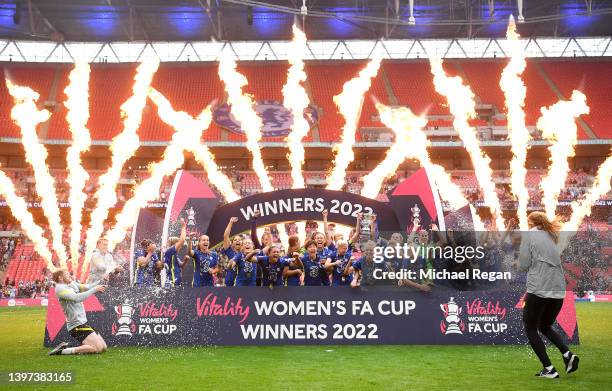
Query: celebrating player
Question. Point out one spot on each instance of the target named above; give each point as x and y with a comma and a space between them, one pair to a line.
148, 264
292, 265
172, 262
71, 295
205, 262
272, 266
340, 263
315, 272
230, 249
245, 265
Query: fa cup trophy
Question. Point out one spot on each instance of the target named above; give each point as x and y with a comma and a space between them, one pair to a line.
365, 227
416, 214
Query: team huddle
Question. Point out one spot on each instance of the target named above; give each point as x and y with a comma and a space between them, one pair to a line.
322, 259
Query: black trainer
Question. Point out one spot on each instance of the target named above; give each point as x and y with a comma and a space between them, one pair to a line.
58, 349
571, 363
548, 373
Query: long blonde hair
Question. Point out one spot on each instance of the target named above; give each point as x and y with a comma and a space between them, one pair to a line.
540, 220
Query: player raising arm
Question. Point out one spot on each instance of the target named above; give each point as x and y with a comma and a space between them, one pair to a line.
71, 295
172, 261
230, 249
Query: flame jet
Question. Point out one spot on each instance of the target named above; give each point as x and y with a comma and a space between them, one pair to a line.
296, 100
399, 120
600, 187
397, 153
463, 107
77, 104
515, 92
182, 121
244, 111
27, 116
187, 130
19, 210
558, 125
123, 147
349, 102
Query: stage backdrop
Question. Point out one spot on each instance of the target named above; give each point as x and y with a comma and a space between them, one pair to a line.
304, 315
301, 315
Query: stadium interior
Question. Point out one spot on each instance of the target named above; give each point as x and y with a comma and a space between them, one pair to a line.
190, 85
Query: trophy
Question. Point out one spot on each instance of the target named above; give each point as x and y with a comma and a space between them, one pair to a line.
365, 227
416, 214
125, 312
191, 217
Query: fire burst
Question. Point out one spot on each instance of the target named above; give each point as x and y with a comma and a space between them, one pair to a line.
172, 160
243, 110
403, 123
123, 148
463, 107
515, 91
296, 100
19, 209
77, 116
181, 120
559, 126
349, 103
27, 116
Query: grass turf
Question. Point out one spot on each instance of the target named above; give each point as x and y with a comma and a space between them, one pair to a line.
310, 367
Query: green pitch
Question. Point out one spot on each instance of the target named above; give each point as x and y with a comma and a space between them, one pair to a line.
310, 367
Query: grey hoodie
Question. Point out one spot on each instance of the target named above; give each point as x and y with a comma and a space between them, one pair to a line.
540, 257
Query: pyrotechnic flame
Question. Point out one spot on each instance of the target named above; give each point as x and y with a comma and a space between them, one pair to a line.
187, 131
463, 107
399, 119
27, 116
123, 147
77, 103
558, 125
296, 100
515, 91
244, 111
411, 125
181, 120
582, 208
19, 210
349, 102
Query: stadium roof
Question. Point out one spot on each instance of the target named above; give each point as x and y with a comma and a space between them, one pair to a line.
239, 20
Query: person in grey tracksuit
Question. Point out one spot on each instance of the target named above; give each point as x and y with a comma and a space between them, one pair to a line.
540, 257
71, 295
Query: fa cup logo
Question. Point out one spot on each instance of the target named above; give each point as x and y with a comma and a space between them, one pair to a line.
124, 325
452, 323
